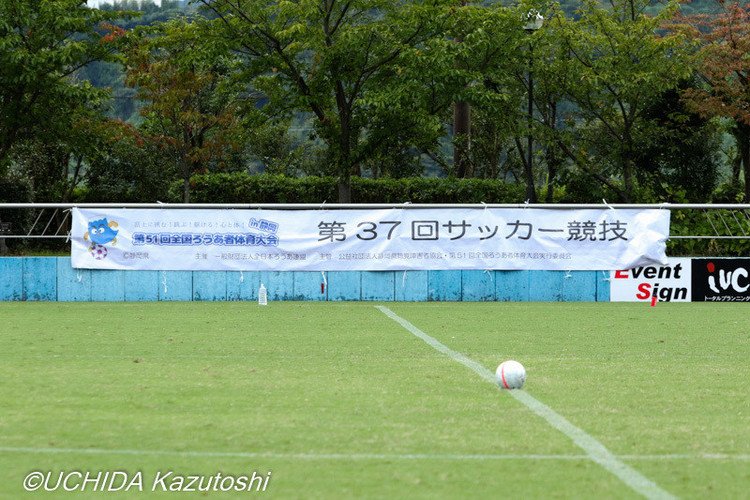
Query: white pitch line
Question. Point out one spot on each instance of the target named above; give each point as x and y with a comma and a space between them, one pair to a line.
595, 450
293, 456
689, 456
360, 456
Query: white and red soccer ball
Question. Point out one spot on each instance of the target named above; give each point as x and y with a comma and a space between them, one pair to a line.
510, 375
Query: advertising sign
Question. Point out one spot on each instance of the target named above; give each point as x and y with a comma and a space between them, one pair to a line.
721, 280
670, 283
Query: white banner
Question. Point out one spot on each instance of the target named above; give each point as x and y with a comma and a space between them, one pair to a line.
387, 239
670, 283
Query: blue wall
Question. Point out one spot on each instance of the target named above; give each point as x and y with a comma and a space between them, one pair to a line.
53, 279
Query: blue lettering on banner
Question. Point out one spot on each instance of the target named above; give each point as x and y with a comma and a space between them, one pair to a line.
264, 225
196, 239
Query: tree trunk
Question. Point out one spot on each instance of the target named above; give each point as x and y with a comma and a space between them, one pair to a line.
344, 168
552, 155
736, 169
742, 137
627, 167
554, 161
627, 176
461, 139
345, 189
345, 136
185, 180
529, 163
461, 129
492, 169
71, 186
186, 190
530, 188
528, 173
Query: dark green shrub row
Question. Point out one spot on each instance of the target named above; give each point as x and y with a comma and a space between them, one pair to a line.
241, 187
245, 188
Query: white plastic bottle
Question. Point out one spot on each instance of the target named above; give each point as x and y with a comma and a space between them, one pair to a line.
262, 296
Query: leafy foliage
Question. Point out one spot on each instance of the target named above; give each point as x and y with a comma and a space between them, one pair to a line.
42, 45
127, 167
244, 188
709, 222
618, 65
15, 189
678, 151
346, 64
193, 103
725, 73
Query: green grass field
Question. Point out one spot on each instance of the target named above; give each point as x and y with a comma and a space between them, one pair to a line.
341, 401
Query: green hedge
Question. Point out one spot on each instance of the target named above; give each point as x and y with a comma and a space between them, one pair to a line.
245, 188
16, 190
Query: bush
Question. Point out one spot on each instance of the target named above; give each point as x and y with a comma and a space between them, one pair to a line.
729, 192
265, 188
126, 171
708, 223
16, 190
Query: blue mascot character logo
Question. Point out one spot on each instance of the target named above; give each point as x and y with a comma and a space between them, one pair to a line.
100, 233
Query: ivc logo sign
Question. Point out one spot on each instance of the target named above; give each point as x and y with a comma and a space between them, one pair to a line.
721, 280
670, 283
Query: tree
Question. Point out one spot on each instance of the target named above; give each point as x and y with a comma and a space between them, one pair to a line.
724, 71
619, 63
678, 152
461, 127
193, 103
127, 167
272, 148
55, 168
503, 53
346, 62
43, 43
553, 110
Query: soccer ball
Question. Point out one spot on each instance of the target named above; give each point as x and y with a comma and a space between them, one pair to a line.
98, 251
510, 375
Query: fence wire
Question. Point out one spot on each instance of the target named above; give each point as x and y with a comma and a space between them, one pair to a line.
696, 229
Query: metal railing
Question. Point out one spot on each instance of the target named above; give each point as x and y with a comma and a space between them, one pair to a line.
51, 221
